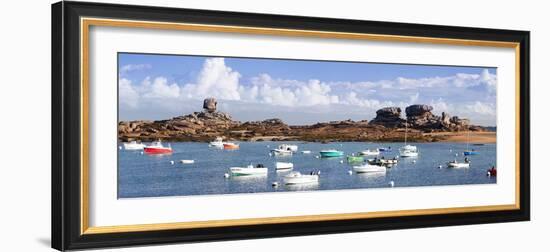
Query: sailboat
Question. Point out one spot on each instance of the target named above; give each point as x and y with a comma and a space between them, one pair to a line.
408, 150
469, 151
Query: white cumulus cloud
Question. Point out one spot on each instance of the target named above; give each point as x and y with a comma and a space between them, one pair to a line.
468, 95
215, 79
127, 94
133, 67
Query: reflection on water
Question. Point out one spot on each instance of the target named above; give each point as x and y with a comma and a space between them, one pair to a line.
303, 187
370, 175
142, 175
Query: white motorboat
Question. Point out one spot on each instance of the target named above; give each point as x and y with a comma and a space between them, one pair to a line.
290, 147
368, 168
218, 142
370, 152
249, 170
283, 166
455, 164
286, 148
295, 178
133, 145
187, 161
306, 152
282, 150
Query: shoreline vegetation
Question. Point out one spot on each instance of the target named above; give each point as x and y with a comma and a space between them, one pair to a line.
388, 126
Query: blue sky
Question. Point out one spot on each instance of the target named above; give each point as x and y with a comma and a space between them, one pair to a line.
298, 91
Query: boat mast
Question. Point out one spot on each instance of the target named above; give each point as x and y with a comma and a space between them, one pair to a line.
406, 129
468, 140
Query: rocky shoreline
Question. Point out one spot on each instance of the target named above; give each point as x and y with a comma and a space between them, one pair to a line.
387, 126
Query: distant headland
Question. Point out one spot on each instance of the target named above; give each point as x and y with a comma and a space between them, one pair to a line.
388, 126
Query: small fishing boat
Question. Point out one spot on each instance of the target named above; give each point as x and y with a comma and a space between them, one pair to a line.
283, 166
382, 161
388, 149
355, 159
290, 147
306, 152
368, 168
248, 171
331, 153
157, 148
456, 164
230, 146
282, 150
297, 178
370, 152
218, 142
133, 145
187, 161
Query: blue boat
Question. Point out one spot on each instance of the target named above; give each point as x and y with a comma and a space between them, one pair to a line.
331, 153
470, 153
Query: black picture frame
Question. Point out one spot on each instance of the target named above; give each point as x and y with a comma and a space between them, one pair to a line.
66, 152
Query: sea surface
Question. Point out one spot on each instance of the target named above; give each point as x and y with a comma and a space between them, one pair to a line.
143, 175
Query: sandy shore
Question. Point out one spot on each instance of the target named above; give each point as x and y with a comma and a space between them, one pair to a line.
475, 137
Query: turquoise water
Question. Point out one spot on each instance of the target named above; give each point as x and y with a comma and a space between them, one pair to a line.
142, 175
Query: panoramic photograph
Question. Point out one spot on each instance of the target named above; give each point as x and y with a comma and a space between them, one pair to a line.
209, 125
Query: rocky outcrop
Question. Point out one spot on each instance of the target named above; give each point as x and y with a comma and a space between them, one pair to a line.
388, 125
389, 117
445, 119
420, 116
210, 104
268, 127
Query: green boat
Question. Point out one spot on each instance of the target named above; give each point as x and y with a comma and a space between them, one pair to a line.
331, 153
355, 159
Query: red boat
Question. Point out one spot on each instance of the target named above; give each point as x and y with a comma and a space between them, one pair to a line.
492, 172
157, 148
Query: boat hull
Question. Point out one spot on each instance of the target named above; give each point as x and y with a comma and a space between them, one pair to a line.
369, 169
369, 153
283, 166
387, 162
240, 171
354, 159
408, 154
302, 179
278, 152
331, 153
230, 146
458, 165
150, 150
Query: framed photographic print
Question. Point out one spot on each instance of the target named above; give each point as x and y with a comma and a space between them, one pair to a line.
180, 125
